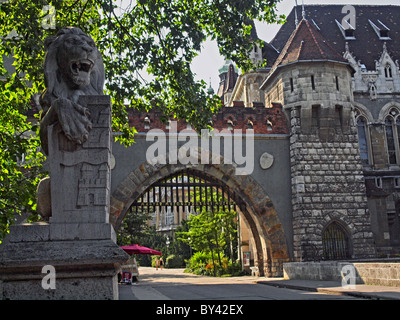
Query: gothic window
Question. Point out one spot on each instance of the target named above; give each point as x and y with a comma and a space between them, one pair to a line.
392, 130
388, 71
389, 129
363, 139
335, 242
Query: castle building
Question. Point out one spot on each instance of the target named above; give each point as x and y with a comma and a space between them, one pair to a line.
339, 85
326, 107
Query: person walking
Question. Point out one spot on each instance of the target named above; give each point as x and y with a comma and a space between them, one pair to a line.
157, 263
161, 263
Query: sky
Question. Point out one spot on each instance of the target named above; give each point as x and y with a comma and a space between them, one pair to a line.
206, 65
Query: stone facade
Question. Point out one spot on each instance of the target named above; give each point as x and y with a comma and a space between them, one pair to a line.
379, 273
327, 185
78, 242
326, 169
371, 49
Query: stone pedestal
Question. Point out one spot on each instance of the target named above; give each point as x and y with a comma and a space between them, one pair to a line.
78, 243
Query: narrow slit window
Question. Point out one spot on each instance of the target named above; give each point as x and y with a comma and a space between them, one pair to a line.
291, 85
312, 82
337, 83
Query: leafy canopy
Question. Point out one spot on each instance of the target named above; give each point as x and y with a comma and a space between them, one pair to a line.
148, 47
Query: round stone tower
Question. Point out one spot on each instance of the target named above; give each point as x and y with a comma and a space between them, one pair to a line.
330, 212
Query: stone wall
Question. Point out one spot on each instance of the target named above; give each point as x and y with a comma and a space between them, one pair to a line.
326, 170
372, 273
327, 185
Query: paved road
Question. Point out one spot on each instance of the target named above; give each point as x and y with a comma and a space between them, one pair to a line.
174, 284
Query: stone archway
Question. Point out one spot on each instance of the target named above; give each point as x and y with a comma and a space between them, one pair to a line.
261, 217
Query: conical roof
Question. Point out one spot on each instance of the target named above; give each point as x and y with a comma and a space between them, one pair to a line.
307, 43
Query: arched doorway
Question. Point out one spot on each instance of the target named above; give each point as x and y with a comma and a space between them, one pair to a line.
335, 242
189, 192
267, 234
186, 192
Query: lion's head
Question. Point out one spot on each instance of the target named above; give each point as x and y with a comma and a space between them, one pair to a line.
72, 63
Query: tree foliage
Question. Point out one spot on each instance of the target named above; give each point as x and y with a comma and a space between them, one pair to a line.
135, 228
148, 47
212, 232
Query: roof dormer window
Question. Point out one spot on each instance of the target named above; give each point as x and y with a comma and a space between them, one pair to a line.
347, 30
380, 29
349, 33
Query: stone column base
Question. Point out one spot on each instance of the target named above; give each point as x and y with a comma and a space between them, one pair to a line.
83, 269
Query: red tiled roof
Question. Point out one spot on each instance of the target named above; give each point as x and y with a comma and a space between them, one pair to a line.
307, 43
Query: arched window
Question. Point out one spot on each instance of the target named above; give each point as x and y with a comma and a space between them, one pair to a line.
335, 242
391, 147
363, 140
392, 131
388, 71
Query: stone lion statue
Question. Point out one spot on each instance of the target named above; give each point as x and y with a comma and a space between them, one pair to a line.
73, 67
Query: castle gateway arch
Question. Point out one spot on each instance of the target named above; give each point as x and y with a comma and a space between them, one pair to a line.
261, 196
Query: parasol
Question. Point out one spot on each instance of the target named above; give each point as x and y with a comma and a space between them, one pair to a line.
136, 249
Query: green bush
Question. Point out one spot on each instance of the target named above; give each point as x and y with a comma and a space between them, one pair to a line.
174, 261
202, 263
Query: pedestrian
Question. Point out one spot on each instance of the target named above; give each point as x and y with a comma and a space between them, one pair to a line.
161, 263
157, 263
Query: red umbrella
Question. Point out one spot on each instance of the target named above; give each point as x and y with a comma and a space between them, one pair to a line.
136, 249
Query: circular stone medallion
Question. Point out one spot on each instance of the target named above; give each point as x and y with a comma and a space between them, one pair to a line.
266, 160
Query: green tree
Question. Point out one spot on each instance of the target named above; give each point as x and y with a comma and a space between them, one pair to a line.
177, 246
134, 228
148, 47
213, 233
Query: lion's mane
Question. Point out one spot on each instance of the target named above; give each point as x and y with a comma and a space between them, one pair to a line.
56, 69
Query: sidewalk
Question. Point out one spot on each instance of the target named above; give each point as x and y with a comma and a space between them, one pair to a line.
333, 287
